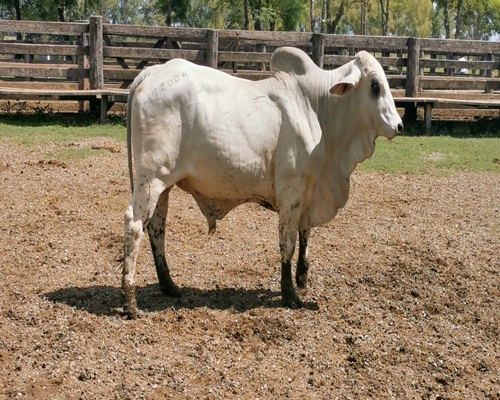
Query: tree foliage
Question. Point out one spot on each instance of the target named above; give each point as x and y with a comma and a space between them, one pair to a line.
467, 19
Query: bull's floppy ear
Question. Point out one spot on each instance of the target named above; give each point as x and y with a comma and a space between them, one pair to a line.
347, 84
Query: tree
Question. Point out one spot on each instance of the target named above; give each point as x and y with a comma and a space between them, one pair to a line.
474, 19
481, 19
311, 14
247, 19
445, 6
290, 13
437, 22
335, 11
458, 20
411, 18
384, 13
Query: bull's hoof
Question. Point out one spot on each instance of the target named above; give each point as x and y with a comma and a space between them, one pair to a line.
130, 313
301, 281
301, 273
292, 300
171, 290
130, 310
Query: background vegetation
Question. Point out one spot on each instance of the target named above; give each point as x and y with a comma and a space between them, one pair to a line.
460, 19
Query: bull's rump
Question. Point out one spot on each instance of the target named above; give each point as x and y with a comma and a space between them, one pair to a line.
216, 131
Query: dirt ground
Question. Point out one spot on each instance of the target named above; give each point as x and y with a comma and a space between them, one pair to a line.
403, 299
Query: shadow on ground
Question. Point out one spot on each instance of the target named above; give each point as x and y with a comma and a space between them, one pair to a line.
107, 300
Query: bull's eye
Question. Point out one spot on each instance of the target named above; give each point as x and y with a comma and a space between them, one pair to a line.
375, 88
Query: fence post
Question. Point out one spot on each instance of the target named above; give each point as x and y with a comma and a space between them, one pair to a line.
421, 70
449, 71
400, 56
412, 68
432, 70
82, 61
213, 48
412, 78
235, 64
490, 73
261, 48
318, 49
96, 58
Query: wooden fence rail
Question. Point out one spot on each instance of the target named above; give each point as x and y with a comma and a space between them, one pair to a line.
246, 51
99, 55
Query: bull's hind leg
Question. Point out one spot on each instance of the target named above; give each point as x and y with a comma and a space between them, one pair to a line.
137, 216
156, 232
302, 262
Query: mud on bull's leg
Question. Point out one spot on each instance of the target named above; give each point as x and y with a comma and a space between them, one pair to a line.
156, 232
137, 216
302, 262
133, 236
288, 236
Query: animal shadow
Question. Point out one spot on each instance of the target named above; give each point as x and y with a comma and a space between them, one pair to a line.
107, 300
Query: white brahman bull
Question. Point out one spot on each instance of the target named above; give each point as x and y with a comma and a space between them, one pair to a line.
289, 143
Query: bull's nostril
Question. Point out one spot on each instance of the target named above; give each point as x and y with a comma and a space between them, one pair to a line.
400, 128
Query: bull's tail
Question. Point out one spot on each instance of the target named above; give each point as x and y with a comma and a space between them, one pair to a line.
129, 134
137, 81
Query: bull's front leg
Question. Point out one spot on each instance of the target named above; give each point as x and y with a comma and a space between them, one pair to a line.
303, 261
289, 219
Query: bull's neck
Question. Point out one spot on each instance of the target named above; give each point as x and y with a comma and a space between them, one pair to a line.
349, 138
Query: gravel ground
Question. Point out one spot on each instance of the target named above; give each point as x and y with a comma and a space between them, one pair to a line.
403, 299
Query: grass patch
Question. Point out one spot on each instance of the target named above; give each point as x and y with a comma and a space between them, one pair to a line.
74, 154
28, 131
421, 155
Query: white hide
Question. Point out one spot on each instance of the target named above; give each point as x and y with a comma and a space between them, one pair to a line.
228, 141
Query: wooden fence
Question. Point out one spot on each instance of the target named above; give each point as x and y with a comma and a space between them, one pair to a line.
99, 56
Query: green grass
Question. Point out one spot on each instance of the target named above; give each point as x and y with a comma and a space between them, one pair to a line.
421, 155
28, 130
72, 154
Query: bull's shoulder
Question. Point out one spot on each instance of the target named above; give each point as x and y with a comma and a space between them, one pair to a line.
291, 59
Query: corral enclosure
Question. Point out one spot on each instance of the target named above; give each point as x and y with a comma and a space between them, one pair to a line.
403, 297
404, 286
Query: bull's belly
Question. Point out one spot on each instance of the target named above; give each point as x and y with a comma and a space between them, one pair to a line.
229, 186
221, 195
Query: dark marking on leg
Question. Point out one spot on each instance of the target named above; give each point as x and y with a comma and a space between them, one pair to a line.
302, 262
288, 294
156, 232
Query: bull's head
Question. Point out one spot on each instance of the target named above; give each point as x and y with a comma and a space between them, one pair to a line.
372, 96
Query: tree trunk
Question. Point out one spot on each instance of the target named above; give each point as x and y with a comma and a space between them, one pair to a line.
334, 24
257, 24
311, 9
384, 9
168, 19
458, 27
247, 19
446, 19
323, 16
328, 14
17, 6
60, 14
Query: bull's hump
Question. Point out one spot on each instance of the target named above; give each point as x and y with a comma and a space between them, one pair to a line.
291, 59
